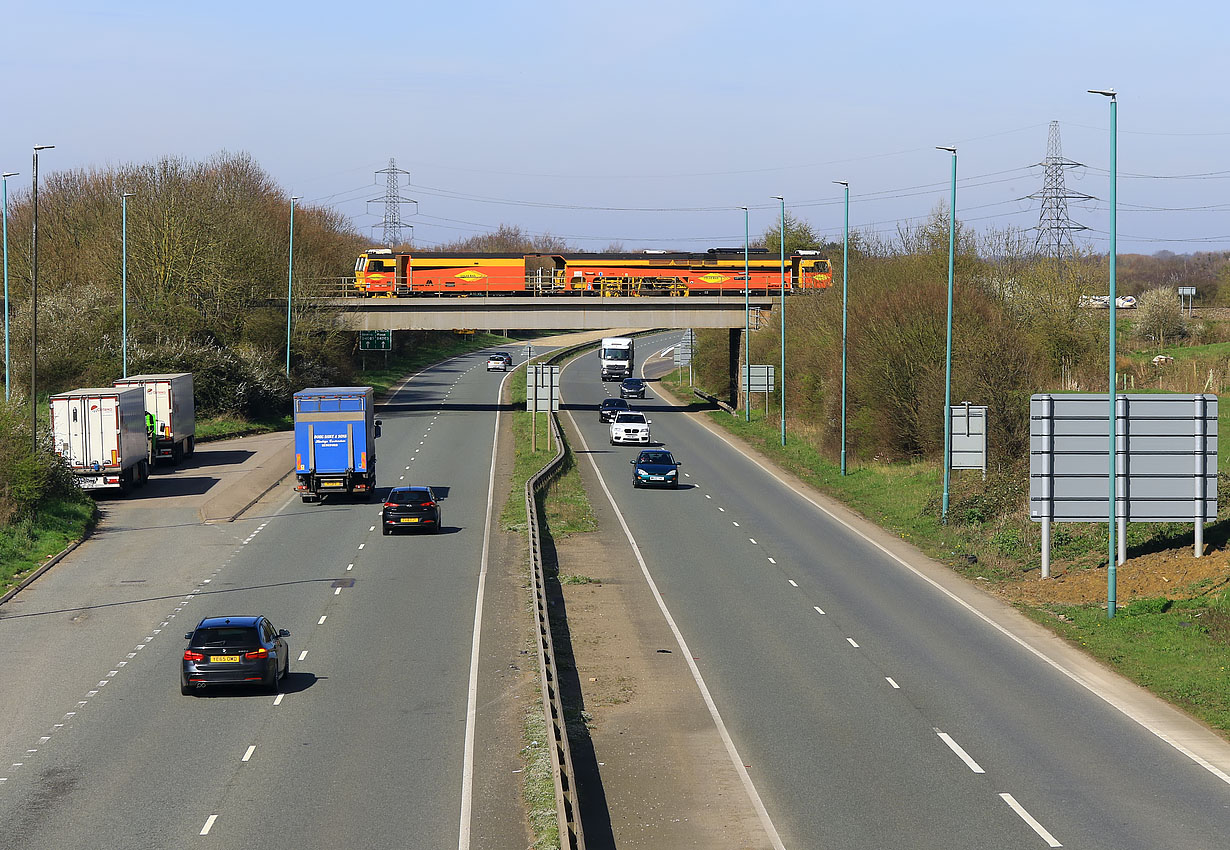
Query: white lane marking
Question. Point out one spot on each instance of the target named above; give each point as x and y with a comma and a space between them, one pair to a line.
1123, 707
402, 478
407, 468
889, 679
735, 524
961, 754
819, 610
361, 545
758, 805
303, 655
753, 539
707, 496
278, 699
1029, 819
793, 583
467, 765
771, 561
337, 591
249, 753
321, 621
373, 528
687, 475
43, 740
723, 510
349, 567
209, 824
850, 641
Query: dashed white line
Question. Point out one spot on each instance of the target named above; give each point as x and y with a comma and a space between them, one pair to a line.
723, 510
771, 561
373, 528
249, 753
361, 545
735, 524
303, 655
961, 754
793, 583
753, 539
321, 621
349, 567
889, 679
818, 609
707, 496
209, 824
278, 699
337, 591
1029, 819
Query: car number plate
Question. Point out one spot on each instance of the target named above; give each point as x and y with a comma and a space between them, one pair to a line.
657, 478
220, 659
410, 519
331, 484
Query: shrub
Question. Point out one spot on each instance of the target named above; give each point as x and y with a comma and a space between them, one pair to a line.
1159, 316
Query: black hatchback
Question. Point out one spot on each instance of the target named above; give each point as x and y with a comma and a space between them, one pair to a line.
411, 508
632, 388
234, 651
610, 407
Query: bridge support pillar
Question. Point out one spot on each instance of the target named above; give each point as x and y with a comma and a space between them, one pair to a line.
733, 351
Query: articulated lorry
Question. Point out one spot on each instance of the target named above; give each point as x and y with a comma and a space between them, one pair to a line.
335, 442
617, 356
100, 432
169, 399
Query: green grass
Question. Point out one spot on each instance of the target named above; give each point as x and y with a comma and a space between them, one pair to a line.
1179, 650
27, 544
1212, 350
538, 785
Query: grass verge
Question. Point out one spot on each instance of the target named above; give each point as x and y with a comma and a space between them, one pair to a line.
1178, 649
27, 544
538, 786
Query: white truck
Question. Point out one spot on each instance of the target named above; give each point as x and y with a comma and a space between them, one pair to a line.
100, 432
617, 356
170, 400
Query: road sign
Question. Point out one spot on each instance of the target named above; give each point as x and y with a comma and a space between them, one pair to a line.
969, 437
375, 340
542, 389
1187, 290
758, 379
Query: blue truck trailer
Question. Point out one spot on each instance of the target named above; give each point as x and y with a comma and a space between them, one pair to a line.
335, 442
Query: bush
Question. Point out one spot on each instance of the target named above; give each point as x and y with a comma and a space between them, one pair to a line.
27, 478
1159, 316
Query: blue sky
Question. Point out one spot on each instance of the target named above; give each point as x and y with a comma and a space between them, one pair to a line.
645, 123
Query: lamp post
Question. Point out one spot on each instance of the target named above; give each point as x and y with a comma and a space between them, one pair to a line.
8, 384
952, 229
290, 278
747, 322
845, 280
124, 286
1112, 518
782, 246
34, 303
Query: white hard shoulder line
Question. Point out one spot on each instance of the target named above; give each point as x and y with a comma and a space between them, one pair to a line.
1150, 724
735, 758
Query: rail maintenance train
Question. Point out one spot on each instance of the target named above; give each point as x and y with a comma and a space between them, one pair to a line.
381, 272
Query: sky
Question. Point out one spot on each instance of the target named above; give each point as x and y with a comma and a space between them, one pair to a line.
647, 123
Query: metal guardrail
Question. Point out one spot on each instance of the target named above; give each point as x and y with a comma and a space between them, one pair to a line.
572, 836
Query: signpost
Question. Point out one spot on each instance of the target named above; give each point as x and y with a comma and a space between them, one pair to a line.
375, 341
759, 379
969, 437
541, 393
683, 353
1188, 292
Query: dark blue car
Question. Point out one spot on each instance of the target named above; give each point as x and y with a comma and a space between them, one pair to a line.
655, 468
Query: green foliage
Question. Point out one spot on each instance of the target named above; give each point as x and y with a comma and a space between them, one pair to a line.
1159, 316
1155, 605
27, 478
799, 234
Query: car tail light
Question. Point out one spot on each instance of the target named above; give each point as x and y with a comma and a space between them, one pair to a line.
427, 504
256, 653
189, 655
390, 504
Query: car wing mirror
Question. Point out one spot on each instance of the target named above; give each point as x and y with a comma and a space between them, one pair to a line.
188, 636
678, 463
632, 462
283, 632
377, 429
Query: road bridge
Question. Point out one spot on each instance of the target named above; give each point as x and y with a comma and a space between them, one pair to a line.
545, 313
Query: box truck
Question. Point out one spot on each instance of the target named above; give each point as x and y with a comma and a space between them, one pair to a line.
335, 442
616, 354
100, 432
170, 400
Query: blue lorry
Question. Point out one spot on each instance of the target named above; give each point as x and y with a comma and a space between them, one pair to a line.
335, 442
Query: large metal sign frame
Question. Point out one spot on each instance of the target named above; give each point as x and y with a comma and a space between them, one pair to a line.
758, 378
1165, 462
375, 340
541, 395
969, 437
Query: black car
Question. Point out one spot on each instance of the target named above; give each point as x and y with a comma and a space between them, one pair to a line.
610, 407
655, 468
632, 388
234, 651
410, 508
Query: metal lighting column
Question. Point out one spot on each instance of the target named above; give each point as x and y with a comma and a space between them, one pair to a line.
34, 303
1111, 561
952, 227
124, 240
782, 246
845, 280
8, 384
290, 278
747, 323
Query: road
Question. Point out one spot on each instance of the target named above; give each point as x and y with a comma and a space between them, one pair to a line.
366, 747
871, 708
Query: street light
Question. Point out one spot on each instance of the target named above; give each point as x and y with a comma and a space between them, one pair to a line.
8, 384
1112, 519
845, 280
747, 323
952, 229
290, 278
124, 240
782, 246
34, 303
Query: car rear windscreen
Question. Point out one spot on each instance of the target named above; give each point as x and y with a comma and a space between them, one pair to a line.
226, 636
406, 497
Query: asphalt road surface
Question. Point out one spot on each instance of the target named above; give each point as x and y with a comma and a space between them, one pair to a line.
870, 709
365, 747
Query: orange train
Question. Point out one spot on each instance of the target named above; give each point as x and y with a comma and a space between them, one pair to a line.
381, 272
